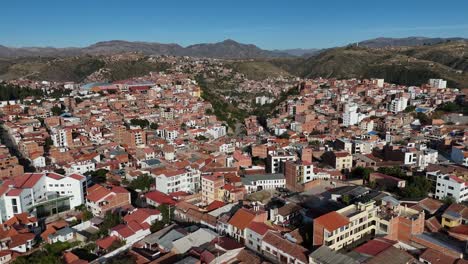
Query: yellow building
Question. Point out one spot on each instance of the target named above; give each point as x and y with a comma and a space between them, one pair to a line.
451, 219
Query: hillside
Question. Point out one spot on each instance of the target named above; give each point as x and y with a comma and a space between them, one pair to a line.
411, 66
409, 41
402, 65
77, 69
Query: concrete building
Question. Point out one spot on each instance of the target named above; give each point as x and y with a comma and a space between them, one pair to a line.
350, 115
258, 182
41, 194
62, 137
178, 180
338, 160
101, 199
340, 228
275, 161
449, 186
398, 105
438, 83
210, 185
298, 173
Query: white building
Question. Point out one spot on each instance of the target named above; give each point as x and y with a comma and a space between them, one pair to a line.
49, 191
379, 82
450, 186
261, 100
399, 104
61, 137
275, 162
350, 115
217, 131
227, 148
179, 180
260, 182
438, 83
426, 157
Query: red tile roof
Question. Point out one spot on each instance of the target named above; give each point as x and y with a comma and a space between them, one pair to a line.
259, 228
332, 221
106, 242
242, 218
160, 198
436, 257
374, 247
214, 205
140, 215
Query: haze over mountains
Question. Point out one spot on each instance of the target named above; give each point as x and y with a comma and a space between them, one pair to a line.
225, 49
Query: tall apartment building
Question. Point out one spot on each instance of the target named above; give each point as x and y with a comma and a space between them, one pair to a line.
298, 173
275, 161
446, 185
132, 138
398, 104
41, 194
62, 137
438, 83
210, 184
340, 228
350, 115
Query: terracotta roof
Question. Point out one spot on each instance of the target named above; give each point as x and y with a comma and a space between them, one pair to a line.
214, 205
286, 246
375, 246
20, 239
430, 205
242, 218
160, 198
140, 215
259, 228
106, 242
332, 221
436, 257
433, 224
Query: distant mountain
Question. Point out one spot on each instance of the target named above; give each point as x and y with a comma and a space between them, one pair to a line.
225, 49
299, 52
409, 41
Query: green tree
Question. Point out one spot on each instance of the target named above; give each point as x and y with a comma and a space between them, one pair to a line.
142, 183
98, 176
56, 110
423, 118
416, 187
361, 173
110, 220
167, 213
143, 123
154, 126
448, 200
393, 171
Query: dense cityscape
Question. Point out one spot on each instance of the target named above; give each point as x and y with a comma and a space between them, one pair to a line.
151, 169
234, 132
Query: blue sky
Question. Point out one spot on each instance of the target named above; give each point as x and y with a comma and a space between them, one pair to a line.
268, 24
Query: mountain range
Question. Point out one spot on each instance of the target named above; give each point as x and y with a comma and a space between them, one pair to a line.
410, 61
225, 49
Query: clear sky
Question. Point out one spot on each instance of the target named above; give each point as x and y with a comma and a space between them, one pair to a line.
268, 24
